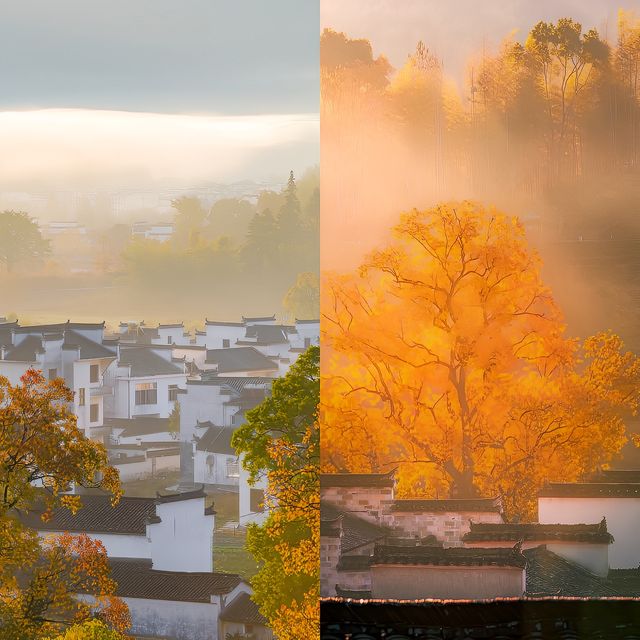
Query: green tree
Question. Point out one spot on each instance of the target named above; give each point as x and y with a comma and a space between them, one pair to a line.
303, 299
230, 217
20, 239
189, 220
280, 441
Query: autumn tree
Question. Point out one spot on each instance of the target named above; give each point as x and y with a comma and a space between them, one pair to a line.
447, 356
20, 239
42, 452
280, 442
564, 57
90, 630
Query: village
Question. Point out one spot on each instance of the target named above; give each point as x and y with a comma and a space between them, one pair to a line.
584, 543
165, 405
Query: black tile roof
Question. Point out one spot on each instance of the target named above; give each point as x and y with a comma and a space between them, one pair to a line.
357, 479
509, 618
88, 348
330, 528
236, 383
97, 515
624, 476
239, 359
145, 362
590, 490
548, 574
452, 505
179, 497
452, 556
356, 532
259, 318
266, 334
137, 579
26, 351
243, 609
217, 440
218, 323
140, 426
354, 563
353, 593
625, 581
482, 532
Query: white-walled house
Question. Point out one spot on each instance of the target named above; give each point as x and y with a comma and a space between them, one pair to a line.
218, 402
615, 497
160, 552
215, 461
146, 380
174, 531
251, 498
76, 352
584, 544
221, 335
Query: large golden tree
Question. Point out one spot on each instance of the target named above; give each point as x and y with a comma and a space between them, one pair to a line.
447, 356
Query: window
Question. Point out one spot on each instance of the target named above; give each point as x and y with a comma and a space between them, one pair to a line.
168, 339
94, 413
81, 397
256, 500
147, 393
94, 373
307, 343
211, 464
233, 469
173, 392
53, 373
226, 343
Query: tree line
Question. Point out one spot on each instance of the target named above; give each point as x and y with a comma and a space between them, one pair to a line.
549, 123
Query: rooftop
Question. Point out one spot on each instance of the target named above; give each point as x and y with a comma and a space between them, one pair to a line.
356, 532
243, 609
140, 426
239, 359
137, 579
145, 362
482, 532
357, 479
550, 575
452, 556
97, 515
590, 490
454, 505
217, 440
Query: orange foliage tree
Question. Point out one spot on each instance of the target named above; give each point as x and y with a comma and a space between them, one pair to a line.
447, 356
42, 452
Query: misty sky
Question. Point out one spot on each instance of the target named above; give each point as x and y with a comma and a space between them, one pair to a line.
457, 29
156, 93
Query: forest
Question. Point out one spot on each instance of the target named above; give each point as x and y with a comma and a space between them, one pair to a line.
235, 257
480, 258
545, 126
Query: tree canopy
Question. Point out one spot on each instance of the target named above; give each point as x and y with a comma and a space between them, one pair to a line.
447, 355
42, 453
280, 442
20, 239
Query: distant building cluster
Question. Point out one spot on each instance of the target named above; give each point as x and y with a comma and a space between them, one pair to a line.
163, 400
376, 546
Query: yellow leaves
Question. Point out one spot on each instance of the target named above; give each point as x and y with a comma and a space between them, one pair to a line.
446, 355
